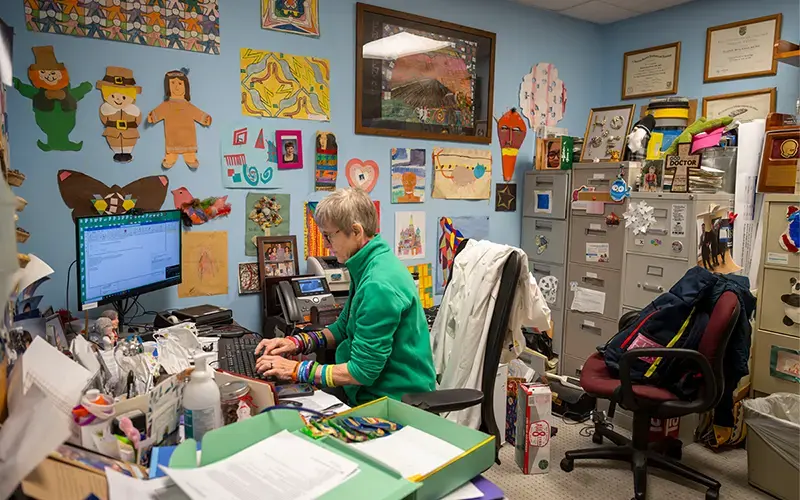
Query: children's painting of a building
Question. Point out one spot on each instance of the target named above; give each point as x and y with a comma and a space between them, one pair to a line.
408, 175
409, 232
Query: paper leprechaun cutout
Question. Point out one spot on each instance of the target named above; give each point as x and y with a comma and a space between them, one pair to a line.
118, 113
55, 102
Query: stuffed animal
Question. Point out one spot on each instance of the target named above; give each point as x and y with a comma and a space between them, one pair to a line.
791, 304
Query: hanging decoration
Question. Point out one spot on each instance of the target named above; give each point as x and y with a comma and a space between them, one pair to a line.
362, 174
244, 163
619, 189
543, 96
197, 211
462, 174
87, 196
408, 174
505, 198
790, 239
300, 17
290, 143
55, 101
511, 131
268, 216
327, 162
314, 242
639, 217
119, 114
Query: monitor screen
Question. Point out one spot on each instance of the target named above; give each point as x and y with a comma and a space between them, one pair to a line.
121, 256
311, 286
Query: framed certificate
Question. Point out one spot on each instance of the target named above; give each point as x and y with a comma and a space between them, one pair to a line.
651, 72
742, 49
742, 106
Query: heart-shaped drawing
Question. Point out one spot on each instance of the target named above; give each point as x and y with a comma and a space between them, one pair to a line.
362, 174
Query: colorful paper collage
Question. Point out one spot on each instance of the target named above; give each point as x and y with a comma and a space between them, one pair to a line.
326, 161
245, 164
462, 174
199, 211
278, 85
87, 196
511, 132
434, 88
408, 175
191, 25
266, 214
362, 174
425, 283
449, 234
409, 235
249, 281
314, 242
543, 96
300, 17
204, 258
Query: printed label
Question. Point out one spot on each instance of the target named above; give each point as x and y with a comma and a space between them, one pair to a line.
588, 323
591, 275
777, 258
677, 223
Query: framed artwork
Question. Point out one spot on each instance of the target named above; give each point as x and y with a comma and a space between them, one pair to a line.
422, 78
607, 133
651, 72
742, 49
249, 280
300, 17
277, 256
290, 149
408, 175
742, 106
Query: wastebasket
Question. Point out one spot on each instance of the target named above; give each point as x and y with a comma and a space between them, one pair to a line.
773, 444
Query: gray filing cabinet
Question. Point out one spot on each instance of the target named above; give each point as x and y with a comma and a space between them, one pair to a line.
658, 259
594, 266
544, 217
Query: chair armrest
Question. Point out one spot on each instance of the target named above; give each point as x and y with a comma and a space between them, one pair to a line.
630, 399
445, 400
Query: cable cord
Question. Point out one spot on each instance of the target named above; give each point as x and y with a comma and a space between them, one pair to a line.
69, 271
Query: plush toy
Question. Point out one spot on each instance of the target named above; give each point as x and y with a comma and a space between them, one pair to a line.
640, 134
701, 125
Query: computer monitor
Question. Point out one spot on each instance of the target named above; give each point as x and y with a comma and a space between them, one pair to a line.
122, 256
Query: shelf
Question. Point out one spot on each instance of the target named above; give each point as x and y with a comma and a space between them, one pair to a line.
787, 52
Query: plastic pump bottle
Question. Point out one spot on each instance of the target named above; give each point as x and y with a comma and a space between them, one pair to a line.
201, 401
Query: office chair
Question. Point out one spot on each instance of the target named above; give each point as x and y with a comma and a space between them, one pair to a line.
648, 402
447, 400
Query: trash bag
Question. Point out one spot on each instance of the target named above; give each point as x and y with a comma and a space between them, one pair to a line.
776, 419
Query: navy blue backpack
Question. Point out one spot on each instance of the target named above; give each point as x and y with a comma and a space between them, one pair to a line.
675, 319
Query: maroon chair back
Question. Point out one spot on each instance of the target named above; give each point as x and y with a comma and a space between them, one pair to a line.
717, 333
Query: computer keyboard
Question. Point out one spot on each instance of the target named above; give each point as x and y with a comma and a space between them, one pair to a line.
236, 355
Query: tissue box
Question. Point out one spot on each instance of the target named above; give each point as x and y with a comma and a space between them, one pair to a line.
533, 428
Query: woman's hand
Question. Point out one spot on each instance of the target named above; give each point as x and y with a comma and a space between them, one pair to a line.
276, 366
276, 347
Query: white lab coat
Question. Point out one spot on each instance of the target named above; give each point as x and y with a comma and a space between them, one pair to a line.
461, 327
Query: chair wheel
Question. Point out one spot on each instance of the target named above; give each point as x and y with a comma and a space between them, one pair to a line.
712, 494
597, 438
567, 464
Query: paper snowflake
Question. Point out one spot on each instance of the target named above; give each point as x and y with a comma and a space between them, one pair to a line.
639, 216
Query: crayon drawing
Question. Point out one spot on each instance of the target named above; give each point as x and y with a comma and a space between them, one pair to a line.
462, 174
204, 259
408, 175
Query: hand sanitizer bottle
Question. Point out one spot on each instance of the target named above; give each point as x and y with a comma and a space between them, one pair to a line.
201, 401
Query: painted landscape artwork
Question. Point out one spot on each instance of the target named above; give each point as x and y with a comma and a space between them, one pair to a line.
462, 174
435, 87
408, 175
278, 85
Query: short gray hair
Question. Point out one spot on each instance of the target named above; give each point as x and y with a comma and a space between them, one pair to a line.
345, 207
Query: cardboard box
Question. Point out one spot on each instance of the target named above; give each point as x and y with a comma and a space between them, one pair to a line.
533, 428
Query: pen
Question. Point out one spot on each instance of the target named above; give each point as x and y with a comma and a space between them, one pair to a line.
331, 407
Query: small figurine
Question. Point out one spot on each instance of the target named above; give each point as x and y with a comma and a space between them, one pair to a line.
114, 317
614, 155
619, 190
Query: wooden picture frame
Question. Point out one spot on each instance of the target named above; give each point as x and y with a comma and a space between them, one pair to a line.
742, 96
284, 250
668, 87
400, 96
608, 114
760, 49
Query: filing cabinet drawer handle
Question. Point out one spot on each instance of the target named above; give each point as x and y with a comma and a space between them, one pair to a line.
593, 281
540, 270
544, 226
543, 180
593, 329
595, 231
656, 230
651, 288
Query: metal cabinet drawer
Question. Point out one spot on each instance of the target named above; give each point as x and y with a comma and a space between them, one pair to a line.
558, 330
571, 366
648, 277
668, 235
776, 226
595, 243
598, 280
585, 332
779, 298
764, 379
552, 236
541, 270
593, 176
554, 185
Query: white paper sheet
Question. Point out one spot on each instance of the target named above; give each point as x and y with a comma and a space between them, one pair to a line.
281, 467
466, 492
588, 301
60, 378
322, 401
746, 202
410, 451
122, 487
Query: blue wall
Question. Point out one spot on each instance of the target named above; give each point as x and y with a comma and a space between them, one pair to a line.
524, 37
687, 24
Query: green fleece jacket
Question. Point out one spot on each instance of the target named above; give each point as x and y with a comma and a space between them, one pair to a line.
382, 333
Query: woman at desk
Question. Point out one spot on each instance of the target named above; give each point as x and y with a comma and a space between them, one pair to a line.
381, 337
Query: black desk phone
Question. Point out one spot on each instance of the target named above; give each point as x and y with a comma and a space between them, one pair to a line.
298, 295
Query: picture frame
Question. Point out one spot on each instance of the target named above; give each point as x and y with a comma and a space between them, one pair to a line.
651, 72
742, 106
277, 256
606, 131
742, 49
554, 153
416, 95
249, 278
290, 149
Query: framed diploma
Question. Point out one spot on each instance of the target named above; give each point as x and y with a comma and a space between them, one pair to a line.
742, 106
651, 72
742, 49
